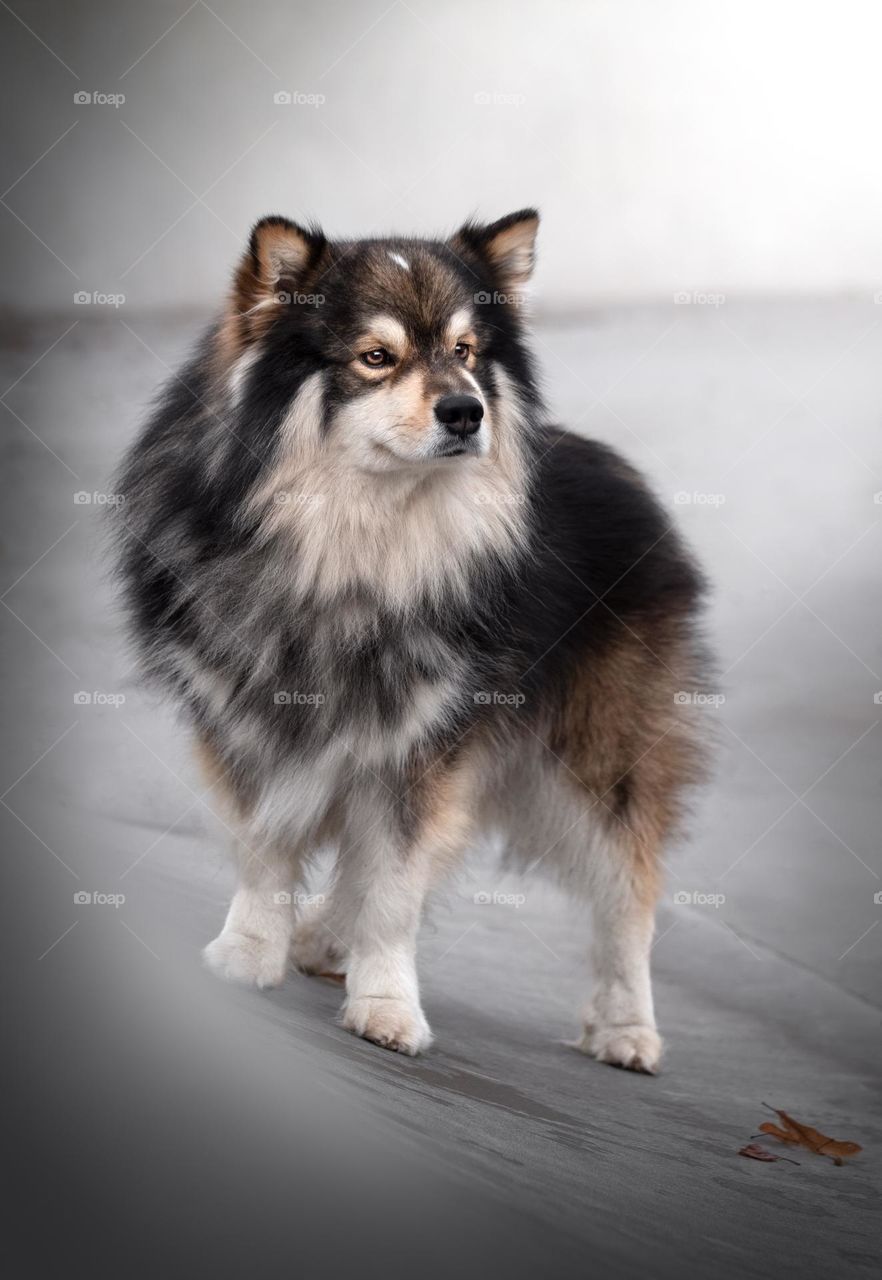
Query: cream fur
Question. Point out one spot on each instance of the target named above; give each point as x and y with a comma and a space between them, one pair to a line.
383, 529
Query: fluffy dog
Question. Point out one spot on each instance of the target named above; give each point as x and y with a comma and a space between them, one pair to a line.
399, 609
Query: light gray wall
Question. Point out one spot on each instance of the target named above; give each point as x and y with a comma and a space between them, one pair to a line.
672, 146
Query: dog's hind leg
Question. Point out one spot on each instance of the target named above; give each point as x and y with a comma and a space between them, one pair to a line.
319, 945
633, 751
619, 1022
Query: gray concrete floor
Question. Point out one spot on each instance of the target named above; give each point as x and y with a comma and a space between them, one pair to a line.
194, 1107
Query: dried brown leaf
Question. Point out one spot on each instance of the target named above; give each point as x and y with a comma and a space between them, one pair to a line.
803, 1135
754, 1151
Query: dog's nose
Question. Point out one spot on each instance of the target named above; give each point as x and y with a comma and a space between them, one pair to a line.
461, 415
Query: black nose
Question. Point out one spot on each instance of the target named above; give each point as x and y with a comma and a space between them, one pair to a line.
461, 415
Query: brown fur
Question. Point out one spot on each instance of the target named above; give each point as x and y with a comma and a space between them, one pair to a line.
623, 739
218, 779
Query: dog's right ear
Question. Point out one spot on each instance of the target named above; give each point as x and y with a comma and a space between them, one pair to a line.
279, 259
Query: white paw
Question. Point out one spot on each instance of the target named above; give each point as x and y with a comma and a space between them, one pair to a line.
315, 949
390, 1023
634, 1046
241, 957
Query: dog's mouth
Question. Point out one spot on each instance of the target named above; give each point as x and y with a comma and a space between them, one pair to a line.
465, 448
460, 448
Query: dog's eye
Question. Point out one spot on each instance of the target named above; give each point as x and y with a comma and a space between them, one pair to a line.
377, 358
461, 350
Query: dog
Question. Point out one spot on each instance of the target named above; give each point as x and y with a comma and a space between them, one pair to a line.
400, 610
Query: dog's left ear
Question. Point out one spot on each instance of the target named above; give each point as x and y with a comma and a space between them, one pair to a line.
508, 246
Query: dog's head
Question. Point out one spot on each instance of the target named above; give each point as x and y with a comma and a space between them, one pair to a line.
405, 349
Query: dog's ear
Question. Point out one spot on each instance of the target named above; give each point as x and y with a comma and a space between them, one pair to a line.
279, 259
508, 246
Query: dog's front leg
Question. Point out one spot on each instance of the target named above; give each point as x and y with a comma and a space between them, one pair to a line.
382, 882
253, 945
382, 988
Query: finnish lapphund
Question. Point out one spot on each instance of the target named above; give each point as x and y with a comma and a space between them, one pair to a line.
399, 610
